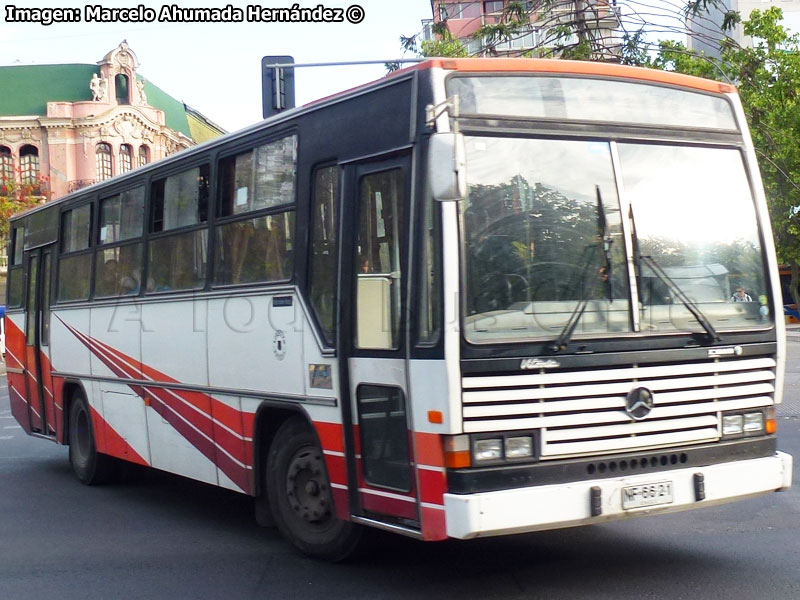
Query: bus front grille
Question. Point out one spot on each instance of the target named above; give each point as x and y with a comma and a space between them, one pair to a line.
583, 412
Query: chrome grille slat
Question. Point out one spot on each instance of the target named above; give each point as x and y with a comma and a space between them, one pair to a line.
616, 388
622, 373
583, 412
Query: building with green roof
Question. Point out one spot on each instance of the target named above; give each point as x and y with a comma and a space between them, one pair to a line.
63, 127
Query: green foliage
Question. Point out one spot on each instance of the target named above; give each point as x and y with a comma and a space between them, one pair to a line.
768, 77
445, 47
17, 197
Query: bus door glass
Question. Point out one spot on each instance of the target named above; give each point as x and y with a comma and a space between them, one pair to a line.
37, 341
375, 343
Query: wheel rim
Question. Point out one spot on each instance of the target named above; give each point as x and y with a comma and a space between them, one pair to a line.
307, 487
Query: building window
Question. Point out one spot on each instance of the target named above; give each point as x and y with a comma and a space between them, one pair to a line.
125, 158
122, 87
492, 6
144, 156
29, 165
6, 165
461, 10
103, 154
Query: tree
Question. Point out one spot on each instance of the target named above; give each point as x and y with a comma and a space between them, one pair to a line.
605, 30
17, 197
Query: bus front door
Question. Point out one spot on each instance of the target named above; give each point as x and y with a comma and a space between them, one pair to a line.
41, 406
374, 343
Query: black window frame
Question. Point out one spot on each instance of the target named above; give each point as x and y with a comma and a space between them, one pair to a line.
205, 222
328, 342
216, 221
89, 250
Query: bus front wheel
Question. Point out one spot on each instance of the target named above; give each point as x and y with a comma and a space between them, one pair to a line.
300, 495
89, 466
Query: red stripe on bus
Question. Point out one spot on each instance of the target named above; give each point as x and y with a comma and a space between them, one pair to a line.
331, 436
115, 444
432, 486
389, 506
434, 524
429, 449
337, 469
170, 407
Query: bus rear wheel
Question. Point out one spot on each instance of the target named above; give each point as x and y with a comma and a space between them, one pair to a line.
300, 495
89, 466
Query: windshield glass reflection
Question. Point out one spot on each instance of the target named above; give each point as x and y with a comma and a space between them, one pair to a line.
534, 223
694, 216
533, 239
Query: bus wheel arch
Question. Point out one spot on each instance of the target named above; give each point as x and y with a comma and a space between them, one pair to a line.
90, 466
297, 487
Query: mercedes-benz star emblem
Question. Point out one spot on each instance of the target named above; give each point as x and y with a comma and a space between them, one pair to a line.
639, 403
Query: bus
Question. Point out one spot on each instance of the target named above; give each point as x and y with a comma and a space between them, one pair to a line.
476, 297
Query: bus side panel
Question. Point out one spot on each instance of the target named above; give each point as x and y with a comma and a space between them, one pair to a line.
179, 422
70, 342
256, 343
233, 436
116, 352
15, 350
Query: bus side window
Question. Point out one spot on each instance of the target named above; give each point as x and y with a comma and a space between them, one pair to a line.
178, 261
260, 248
75, 262
323, 270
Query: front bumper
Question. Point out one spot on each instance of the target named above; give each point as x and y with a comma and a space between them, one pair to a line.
569, 504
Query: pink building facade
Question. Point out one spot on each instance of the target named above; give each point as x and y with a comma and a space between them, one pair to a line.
105, 127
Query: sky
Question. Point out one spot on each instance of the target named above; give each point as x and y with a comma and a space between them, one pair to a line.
216, 67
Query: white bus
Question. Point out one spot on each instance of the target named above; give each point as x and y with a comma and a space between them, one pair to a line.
476, 297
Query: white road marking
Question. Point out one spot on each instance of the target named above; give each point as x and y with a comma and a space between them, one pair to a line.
12, 427
6, 437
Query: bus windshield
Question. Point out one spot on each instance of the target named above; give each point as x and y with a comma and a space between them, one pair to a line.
543, 235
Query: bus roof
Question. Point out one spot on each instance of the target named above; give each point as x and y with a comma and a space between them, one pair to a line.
466, 65
573, 67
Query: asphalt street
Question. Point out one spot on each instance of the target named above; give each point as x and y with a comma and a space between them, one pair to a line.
157, 536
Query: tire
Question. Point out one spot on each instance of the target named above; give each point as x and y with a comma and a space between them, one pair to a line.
300, 496
89, 466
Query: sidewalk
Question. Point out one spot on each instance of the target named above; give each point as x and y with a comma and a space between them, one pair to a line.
793, 332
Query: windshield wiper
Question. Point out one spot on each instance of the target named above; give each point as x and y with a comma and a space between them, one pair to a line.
592, 250
566, 333
673, 287
687, 302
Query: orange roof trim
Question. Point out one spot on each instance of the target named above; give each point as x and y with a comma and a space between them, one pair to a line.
576, 67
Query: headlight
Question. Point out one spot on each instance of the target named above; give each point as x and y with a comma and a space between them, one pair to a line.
488, 450
519, 447
754, 422
745, 423
732, 424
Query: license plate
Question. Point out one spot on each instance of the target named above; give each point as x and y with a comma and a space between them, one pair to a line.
647, 494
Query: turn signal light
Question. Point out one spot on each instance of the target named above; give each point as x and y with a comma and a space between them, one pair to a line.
771, 423
456, 452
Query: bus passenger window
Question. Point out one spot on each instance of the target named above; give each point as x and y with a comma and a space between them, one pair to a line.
118, 268
261, 178
323, 271
75, 262
255, 250
378, 298
178, 261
